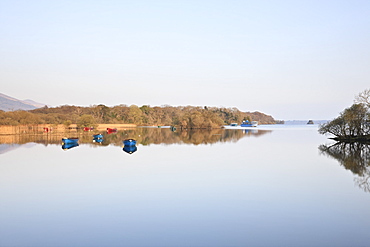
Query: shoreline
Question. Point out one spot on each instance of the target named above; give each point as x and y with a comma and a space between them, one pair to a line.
352, 139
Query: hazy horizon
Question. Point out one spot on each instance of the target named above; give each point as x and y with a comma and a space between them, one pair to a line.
32, 102
288, 59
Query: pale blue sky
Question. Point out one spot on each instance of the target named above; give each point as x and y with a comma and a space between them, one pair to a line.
289, 59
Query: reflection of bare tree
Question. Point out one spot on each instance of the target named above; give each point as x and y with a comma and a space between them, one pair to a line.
354, 157
363, 183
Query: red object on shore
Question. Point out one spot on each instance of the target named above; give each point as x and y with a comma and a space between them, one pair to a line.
88, 128
109, 130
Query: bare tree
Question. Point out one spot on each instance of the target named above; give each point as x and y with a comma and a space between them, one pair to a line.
352, 122
363, 98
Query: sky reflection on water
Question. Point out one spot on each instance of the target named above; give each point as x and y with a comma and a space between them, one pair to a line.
270, 189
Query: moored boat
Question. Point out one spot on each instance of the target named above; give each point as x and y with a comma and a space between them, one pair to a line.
129, 142
247, 123
110, 130
98, 136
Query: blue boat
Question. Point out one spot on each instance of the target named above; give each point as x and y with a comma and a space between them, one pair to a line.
69, 140
98, 136
247, 123
129, 142
69, 145
129, 149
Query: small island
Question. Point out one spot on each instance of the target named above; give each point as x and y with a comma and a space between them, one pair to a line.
353, 124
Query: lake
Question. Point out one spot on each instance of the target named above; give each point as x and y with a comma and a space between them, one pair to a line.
278, 185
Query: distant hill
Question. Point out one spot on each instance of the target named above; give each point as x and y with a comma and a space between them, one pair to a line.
8, 103
34, 103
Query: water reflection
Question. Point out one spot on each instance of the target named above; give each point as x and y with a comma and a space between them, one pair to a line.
66, 146
99, 141
129, 149
8, 147
354, 157
143, 136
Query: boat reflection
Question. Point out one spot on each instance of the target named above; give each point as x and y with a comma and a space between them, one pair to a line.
250, 131
71, 140
354, 157
130, 149
98, 140
67, 146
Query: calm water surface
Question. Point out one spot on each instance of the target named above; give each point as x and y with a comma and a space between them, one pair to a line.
270, 186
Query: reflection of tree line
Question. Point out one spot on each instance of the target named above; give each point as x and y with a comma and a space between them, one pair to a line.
144, 136
354, 157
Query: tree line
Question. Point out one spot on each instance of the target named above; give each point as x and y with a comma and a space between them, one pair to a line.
189, 117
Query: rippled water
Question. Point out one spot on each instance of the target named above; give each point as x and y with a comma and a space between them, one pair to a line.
269, 186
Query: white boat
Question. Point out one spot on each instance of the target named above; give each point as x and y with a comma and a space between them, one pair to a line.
247, 123
242, 125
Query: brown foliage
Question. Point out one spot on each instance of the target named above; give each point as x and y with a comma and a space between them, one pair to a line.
182, 116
